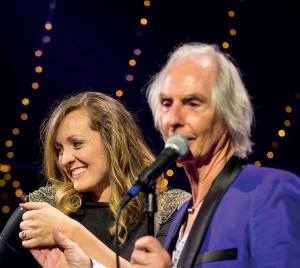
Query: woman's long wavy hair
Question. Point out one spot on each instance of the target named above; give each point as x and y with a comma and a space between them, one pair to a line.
126, 151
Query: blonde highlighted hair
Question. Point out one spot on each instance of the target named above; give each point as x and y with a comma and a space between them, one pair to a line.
126, 151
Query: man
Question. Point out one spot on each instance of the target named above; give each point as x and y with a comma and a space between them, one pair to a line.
240, 215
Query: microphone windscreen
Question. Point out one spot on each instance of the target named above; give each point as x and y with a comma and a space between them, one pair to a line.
180, 144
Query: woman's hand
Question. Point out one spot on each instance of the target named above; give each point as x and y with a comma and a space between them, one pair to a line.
38, 223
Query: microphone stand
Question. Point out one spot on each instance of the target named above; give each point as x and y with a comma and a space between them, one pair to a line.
150, 208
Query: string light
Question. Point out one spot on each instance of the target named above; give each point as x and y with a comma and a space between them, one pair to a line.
281, 133
5, 168
129, 77
270, 154
136, 52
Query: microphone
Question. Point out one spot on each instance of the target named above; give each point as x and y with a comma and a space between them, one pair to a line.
12, 252
176, 148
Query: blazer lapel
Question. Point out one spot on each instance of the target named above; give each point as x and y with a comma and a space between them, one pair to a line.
205, 214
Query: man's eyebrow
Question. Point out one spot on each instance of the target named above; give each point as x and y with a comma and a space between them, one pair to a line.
192, 96
163, 96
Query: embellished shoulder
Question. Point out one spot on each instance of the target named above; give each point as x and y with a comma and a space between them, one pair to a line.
167, 204
43, 194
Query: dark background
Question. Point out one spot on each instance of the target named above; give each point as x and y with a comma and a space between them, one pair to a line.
91, 44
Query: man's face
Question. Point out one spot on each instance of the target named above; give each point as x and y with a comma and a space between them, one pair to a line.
186, 106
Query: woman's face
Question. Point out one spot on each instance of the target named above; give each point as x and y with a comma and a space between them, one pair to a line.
82, 156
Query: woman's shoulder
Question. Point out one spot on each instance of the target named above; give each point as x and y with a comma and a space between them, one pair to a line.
172, 199
167, 204
43, 194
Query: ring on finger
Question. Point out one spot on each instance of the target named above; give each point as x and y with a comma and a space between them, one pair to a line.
23, 234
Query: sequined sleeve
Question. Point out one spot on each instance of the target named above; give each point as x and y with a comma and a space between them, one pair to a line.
167, 204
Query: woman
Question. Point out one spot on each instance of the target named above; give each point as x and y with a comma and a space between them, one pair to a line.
93, 152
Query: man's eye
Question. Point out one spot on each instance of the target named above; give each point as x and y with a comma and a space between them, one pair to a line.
166, 103
194, 104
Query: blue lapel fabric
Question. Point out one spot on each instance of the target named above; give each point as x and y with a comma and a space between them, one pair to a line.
205, 214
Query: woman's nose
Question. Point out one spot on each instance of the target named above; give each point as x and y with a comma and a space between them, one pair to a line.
66, 158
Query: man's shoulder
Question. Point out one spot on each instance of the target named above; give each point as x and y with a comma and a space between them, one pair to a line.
269, 172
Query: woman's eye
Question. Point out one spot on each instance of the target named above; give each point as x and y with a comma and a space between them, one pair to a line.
77, 144
59, 150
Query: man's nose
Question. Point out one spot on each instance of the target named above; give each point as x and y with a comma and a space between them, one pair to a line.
175, 116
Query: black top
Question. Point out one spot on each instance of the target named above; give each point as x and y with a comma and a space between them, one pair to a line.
96, 217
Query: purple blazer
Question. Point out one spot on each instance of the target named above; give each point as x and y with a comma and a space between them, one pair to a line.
256, 223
